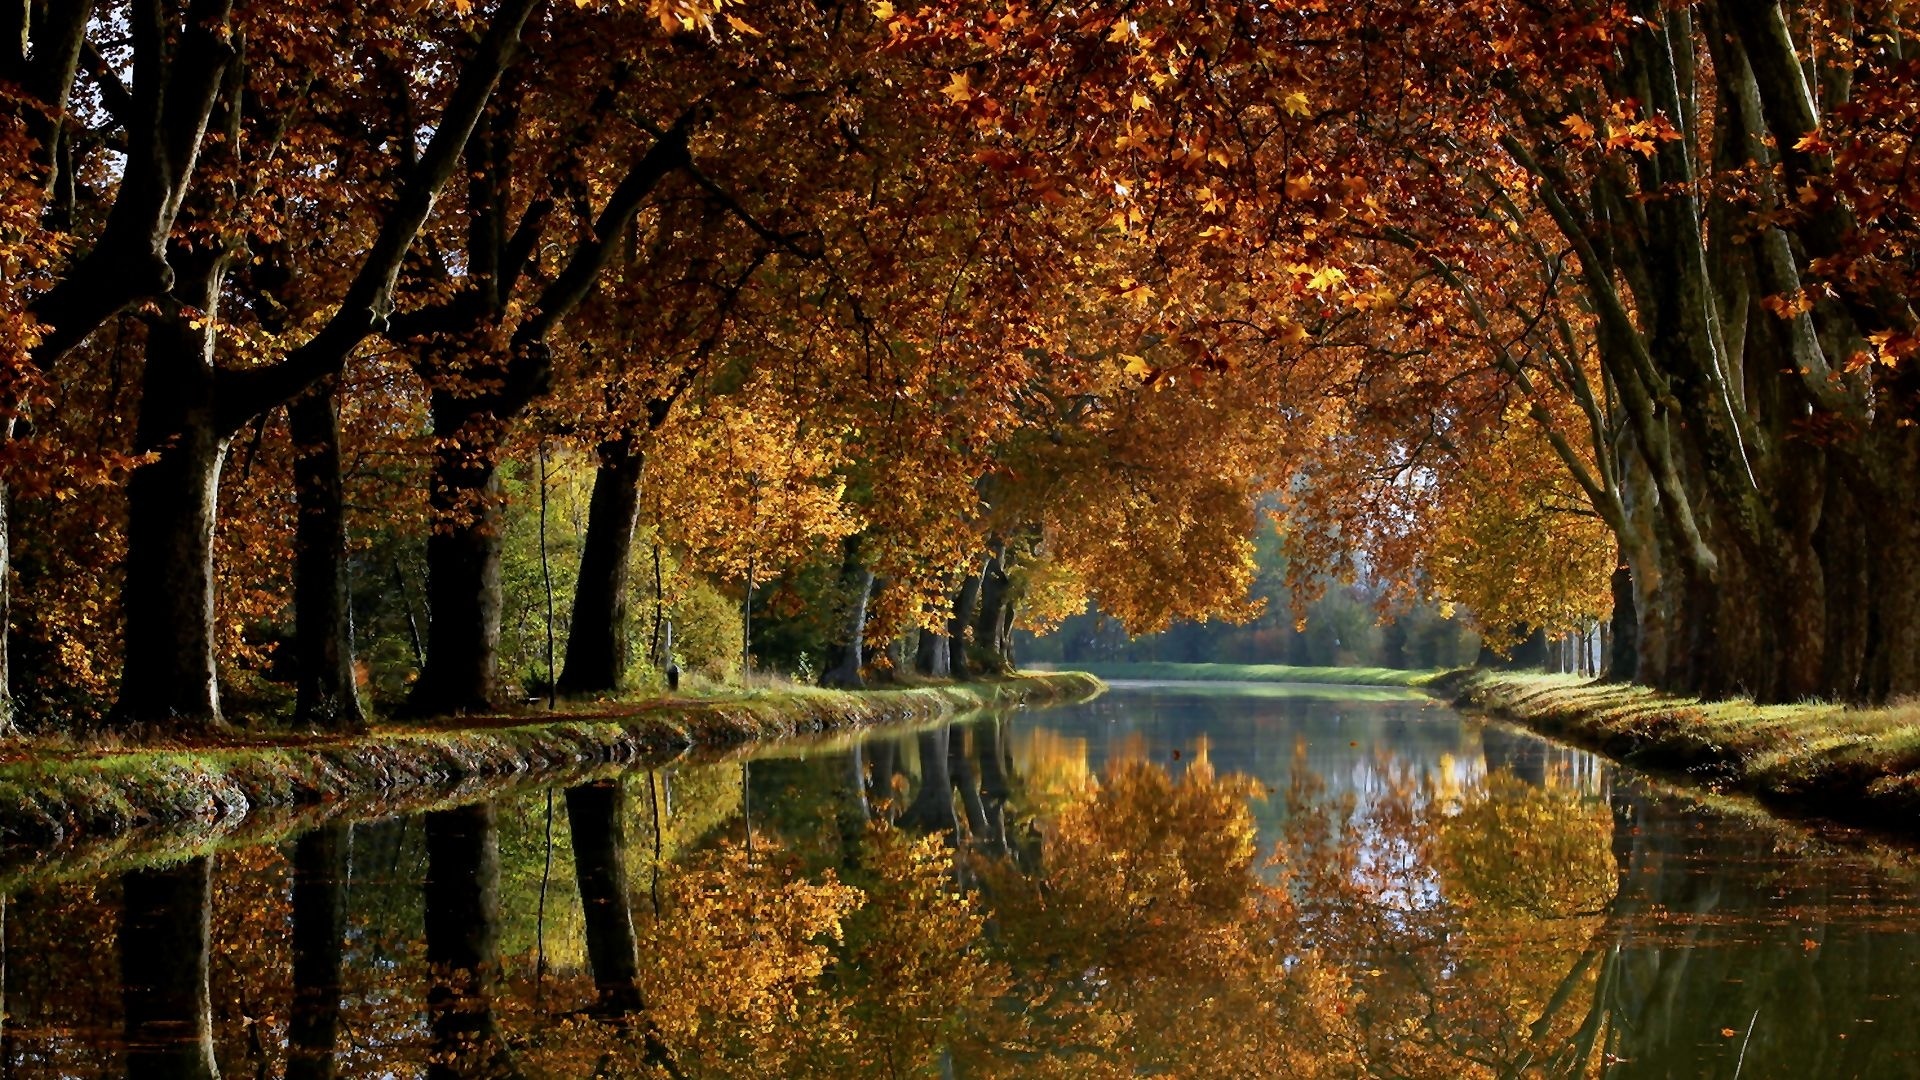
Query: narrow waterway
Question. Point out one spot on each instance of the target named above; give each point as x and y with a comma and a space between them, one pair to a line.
1173, 880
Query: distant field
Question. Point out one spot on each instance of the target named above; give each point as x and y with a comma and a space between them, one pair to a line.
1338, 676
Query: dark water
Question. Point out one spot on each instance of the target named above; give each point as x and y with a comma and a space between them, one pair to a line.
1173, 881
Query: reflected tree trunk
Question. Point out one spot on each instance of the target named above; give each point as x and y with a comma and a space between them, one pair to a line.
989, 742
597, 816
1524, 757
165, 947
852, 812
322, 862
967, 783
884, 758
932, 807
463, 939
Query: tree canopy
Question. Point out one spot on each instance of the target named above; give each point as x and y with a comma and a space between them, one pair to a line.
915, 316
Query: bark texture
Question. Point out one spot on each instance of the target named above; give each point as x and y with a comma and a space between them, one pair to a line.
327, 694
169, 679
856, 584
598, 653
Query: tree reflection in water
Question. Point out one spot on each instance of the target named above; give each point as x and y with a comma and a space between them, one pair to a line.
920, 907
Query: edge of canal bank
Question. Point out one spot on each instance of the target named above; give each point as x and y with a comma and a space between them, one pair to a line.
1859, 767
53, 794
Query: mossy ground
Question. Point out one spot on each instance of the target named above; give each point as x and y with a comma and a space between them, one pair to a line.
1860, 766
1275, 673
51, 792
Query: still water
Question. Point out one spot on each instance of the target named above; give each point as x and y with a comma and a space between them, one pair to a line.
1169, 881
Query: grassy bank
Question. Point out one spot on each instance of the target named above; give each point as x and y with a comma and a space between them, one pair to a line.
1274, 673
52, 793
1861, 766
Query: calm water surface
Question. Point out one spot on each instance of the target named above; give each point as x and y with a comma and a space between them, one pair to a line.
1170, 881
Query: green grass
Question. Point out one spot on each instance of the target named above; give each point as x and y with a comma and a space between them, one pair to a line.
1815, 758
1275, 673
53, 793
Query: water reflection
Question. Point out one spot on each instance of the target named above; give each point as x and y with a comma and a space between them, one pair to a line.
1158, 884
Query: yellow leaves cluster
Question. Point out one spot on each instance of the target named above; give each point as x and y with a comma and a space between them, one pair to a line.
738, 952
745, 483
1510, 541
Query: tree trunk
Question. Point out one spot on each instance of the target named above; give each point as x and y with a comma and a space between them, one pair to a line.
321, 862
597, 818
959, 626
857, 583
169, 679
6, 611
1893, 562
931, 655
165, 948
989, 651
1531, 653
327, 696
462, 908
597, 652
463, 567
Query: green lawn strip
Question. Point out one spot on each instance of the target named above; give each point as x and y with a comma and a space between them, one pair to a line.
1284, 673
1861, 766
51, 794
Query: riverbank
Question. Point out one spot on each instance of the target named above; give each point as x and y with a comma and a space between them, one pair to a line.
1272, 673
50, 794
1857, 766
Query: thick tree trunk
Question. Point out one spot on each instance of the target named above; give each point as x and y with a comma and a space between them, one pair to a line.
597, 652
1893, 568
327, 695
960, 625
169, 679
462, 907
321, 861
857, 584
597, 819
989, 652
931, 655
1623, 663
1842, 542
6, 611
165, 948
463, 568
